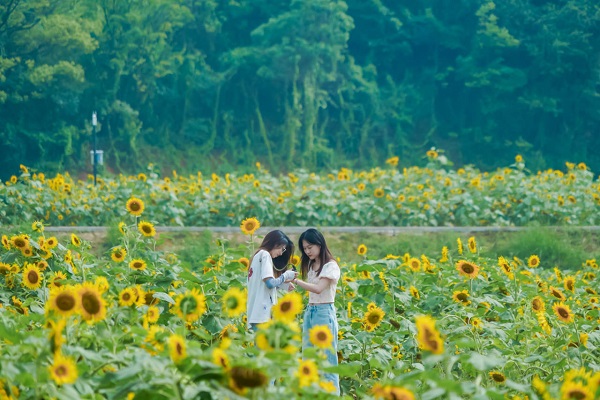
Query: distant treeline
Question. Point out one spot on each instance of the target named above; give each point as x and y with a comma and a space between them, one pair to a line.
195, 84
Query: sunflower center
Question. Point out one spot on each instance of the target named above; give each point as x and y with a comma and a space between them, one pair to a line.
430, 340
188, 305
61, 370
179, 349
232, 303
20, 243
134, 206
33, 277
65, 302
286, 306
462, 297
468, 268
374, 318
322, 336
146, 229
90, 303
563, 313
126, 296
498, 377
247, 378
575, 394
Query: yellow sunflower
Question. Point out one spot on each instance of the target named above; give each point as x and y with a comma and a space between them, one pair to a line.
249, 226
219, 357
537, 304
150, 299
37, 226
152, 314
5, 242
135, 206
295, 260
320, 336
468, 269
243, 378
75, 240
459, 246
428, 337
177, 348
246, 262
361, 250
307, 373
569, 283
414, 292
472, 244
27, 251
56, 337
476, 323
414, 264
101, 283
51, 242
118, 254
57, 279
137, 264
557, 293
506, 267
393, 161
497, 376
288, 307
32, 278
63, 370
42, 265
533, 261
190, 306
461, 297
122, 227
576, 390
379, 193
20, 241
373, 318
92, 305
389, 392
563, 312
147, 229
234, 302
127, 297
63, 300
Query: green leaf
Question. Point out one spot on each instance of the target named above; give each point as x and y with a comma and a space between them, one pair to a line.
485, 362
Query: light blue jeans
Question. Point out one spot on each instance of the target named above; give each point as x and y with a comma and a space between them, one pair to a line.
323, 314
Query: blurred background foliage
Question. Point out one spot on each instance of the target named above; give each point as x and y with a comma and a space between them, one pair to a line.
210, 85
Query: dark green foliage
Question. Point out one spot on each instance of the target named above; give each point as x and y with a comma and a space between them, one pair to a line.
216, 85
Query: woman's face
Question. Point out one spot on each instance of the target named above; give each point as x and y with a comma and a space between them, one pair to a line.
277, 251
311, 250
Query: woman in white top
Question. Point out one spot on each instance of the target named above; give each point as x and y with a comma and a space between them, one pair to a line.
322, 273
266, 273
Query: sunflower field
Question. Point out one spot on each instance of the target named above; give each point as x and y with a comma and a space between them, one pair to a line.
433, 195
136, 323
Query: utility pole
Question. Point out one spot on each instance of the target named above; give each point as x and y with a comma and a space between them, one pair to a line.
94, 155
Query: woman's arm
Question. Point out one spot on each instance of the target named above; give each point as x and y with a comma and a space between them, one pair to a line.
313, 287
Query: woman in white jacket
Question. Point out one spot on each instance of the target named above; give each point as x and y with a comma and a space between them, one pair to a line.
267, 272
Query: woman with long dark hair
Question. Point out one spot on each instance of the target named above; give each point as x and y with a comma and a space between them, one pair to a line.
266, 273
321, 274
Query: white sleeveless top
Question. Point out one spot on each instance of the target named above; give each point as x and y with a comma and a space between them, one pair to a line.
331, 271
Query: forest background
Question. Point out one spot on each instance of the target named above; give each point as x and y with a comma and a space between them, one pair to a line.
213, 85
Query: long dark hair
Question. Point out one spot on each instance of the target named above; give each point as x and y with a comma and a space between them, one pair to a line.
274, 239
313, 236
